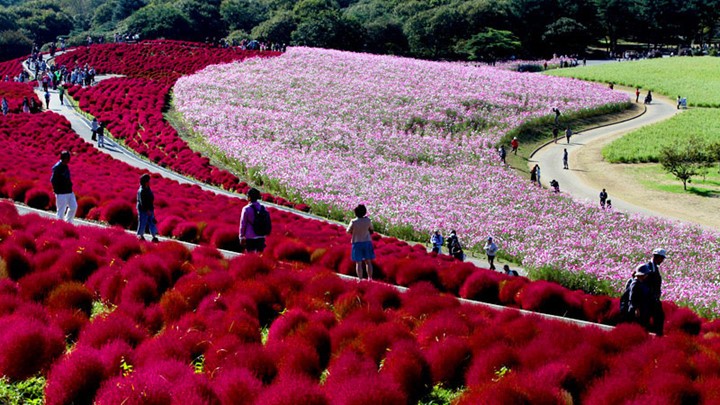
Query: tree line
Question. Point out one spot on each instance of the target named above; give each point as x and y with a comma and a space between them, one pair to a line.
430, 29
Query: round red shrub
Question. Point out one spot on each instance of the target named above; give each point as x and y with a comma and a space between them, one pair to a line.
71, 295
293, 389
448, 360
291, 250
38, 198
118, 212
482, 285
27, 346
186, 231
14, 262
113, 326
237, 386
75, 379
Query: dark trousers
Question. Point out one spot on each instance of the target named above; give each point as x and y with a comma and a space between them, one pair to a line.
255, 245
657, 315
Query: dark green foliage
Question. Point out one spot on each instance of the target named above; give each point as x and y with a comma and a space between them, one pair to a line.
491, 45
161, 21
13, 44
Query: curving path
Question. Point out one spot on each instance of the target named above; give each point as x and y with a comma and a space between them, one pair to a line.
586, 177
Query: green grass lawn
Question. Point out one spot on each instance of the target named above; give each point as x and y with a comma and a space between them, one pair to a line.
697, 78
644, 145
652, 176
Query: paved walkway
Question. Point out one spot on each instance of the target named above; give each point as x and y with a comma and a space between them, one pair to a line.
550, 158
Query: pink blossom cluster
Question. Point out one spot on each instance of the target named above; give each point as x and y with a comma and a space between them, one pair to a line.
411, 139
106, 191
185, 326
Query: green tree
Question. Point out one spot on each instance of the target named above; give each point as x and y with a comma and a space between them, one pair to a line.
685, 160
385, 35
242, 14
618, 19
278, 28
306, 9
491, 45
203, 17
433, 33
328, 29
158, 21
567, 36
44, 26
13, 44
125, 8
530, 19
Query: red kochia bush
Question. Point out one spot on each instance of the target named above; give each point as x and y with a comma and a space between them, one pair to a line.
14, 262
236, 386
27, 346
546, 297
71, 295
76, 378
293, 389
448, 360
482, 285
114, 326
516, 388
405, 366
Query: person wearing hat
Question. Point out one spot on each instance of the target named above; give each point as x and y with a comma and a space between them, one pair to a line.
491, 250
62, 187
654, 281
437, 241
636, 302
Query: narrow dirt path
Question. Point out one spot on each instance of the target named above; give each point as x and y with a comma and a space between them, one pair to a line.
589, 173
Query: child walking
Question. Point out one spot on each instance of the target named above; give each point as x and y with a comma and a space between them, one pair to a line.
362, 249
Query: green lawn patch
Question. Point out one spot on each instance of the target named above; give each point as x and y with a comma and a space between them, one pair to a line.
696, 78
653, 177
644, 145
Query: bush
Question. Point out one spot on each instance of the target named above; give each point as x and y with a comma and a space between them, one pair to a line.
71, 295
76, 378
27, 347
482, 285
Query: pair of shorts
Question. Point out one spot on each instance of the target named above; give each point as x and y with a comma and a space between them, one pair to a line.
362, 251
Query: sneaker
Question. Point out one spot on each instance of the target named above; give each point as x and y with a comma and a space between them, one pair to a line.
141, 237
155, 239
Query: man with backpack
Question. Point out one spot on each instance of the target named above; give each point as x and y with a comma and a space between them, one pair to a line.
255, 224
636, 301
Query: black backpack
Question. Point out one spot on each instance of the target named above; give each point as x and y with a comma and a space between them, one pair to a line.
625, 298
262, 224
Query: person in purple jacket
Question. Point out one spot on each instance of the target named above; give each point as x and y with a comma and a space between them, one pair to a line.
249, 238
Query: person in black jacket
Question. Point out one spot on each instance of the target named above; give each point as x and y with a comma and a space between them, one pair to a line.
654, 281
146, 209
62, 187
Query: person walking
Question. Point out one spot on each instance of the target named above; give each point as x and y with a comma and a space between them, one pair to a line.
61, 94
603, 198
62, 187
557, 116
568, 133
537, 174
362, 251
637, 94
654, 280
533, 174
648, 97
146, 209
491, 251
94, 127
5, 106
454, 247
502, 153
555, 134
254, 223
565, 159
636, 302
437, 242
101, 135
515, 144
47, 99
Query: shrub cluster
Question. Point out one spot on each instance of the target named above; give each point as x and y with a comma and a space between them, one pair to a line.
186, 327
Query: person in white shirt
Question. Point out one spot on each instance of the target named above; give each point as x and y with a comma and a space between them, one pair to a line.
491, 250
362, 249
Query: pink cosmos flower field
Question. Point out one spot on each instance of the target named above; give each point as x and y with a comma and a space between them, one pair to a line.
413, 140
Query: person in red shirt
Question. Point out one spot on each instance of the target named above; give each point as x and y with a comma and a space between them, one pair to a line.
514, 144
